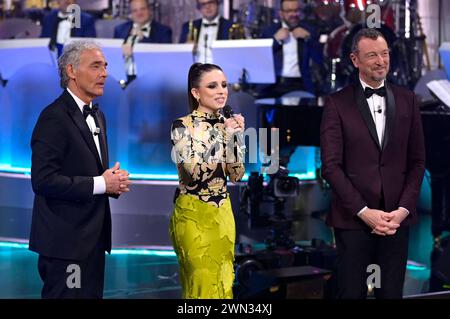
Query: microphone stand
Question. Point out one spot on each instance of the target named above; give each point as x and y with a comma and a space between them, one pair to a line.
194, 51
244, 85
206, 46
2, 80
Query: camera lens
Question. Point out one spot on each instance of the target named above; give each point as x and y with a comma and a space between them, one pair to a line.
285, 186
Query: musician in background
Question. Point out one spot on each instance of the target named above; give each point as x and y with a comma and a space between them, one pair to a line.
324, 16
205, 30
338, 46
57, 25
295, 47
141, 28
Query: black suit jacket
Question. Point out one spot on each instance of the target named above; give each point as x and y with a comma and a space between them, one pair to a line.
159, 33
308, 51
68, 219
222, 32
362, 172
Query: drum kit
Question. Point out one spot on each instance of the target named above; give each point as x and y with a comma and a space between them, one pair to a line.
407, 42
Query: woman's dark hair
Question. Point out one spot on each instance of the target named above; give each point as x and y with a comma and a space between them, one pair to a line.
195, 74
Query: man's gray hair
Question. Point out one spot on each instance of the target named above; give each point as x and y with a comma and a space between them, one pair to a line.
71, 55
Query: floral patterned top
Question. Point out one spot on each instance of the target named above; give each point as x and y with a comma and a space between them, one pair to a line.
205, 155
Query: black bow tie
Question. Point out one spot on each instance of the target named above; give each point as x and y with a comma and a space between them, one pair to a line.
209, 24
59, 19
88, 111
368, 92
61, 16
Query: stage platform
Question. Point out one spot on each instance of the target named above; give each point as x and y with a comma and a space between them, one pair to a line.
143, 264
140, 217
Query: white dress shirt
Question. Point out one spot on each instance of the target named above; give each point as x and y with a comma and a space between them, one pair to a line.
142, 31
99, 181
291, 68
136, 35
204, 55
64, 28
377, 106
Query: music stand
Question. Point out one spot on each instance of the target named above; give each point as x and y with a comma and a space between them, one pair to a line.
169, 63
112, 50
15, 54
245, 61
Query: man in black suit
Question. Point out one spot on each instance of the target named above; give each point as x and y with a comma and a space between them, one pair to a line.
71, 224
57, 25
141, 28
295, 48
205, 30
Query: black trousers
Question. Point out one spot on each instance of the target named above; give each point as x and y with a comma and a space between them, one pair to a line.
357, 249
59, 278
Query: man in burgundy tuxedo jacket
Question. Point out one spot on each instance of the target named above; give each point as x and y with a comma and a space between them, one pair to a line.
373, 156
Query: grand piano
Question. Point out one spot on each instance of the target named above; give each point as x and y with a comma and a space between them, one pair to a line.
298, 120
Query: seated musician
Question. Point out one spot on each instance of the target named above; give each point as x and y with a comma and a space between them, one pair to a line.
295, 47
205, 30
141, 28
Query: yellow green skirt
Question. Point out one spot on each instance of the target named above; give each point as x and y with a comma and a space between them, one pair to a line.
203, 237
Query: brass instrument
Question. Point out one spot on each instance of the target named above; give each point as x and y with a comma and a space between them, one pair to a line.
236, 32
192, 33
424, 43
35, 4
192, 36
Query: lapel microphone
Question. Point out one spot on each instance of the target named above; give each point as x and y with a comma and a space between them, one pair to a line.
97, 131
379, 110
206, 46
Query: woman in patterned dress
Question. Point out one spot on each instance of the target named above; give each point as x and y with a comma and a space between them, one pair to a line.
206, 151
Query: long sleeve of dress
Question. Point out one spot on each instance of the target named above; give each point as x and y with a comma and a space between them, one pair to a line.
182, 153
235, 156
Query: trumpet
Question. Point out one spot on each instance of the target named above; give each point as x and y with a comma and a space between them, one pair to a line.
236, 32
192, 33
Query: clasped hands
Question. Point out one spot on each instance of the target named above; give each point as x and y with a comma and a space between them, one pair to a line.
383, 223
116, 180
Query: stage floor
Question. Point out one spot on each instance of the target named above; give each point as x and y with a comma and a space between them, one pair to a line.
138, 273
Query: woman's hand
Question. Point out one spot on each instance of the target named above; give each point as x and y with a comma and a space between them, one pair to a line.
235, 124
